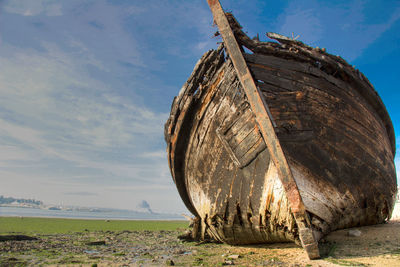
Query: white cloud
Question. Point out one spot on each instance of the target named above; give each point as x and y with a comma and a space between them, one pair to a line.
303, 22
397, 161
72, 119
14, 153
58, 96
342, 29
56, 91
201, 46
34, 8
181, 28
162, 154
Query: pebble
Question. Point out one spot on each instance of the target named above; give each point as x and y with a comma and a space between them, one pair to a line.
354, 232
236, 256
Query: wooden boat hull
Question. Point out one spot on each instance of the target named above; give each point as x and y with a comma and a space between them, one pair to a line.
339, 146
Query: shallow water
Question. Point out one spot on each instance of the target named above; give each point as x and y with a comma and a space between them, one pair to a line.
111, 214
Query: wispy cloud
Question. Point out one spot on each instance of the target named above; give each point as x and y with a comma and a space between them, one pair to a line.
72, 117
343, 29
81, 194
34, 8
155, 154
397, 161
59, 111
303, 22
14, 153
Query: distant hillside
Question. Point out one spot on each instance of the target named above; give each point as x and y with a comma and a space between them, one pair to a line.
9, 200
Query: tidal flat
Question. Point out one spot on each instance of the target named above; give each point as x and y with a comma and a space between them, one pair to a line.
60, 242
31, 225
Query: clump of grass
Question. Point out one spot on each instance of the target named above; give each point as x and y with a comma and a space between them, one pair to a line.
70, 260
47, 254
147, 255
206, 253
332, 250
395, 252
344, 262
198, 261
119, 254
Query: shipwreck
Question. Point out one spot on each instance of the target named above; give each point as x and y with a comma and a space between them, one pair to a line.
279, 142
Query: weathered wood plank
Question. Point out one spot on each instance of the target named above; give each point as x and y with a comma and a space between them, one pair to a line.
266, 127
362, 87
357, 113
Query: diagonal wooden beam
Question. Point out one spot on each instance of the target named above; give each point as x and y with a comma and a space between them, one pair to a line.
261, 111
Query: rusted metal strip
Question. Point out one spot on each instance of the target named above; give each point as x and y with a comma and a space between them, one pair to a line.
264, 122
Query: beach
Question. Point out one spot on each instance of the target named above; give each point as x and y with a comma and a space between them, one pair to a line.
156, 243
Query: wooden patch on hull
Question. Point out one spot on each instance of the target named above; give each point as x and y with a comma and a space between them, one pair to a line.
241, 137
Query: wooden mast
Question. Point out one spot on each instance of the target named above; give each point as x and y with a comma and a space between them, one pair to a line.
265, 124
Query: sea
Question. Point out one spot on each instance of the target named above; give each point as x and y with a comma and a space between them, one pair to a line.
79, 214
112, 214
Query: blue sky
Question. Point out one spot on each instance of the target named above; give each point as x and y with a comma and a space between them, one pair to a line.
86, 86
